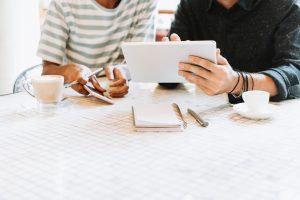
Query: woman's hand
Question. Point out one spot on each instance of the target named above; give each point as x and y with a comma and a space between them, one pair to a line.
71, 73
118, 86
74, 72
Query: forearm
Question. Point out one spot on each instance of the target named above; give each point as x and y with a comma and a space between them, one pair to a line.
255, 82
287, 80
265, 83
50, 68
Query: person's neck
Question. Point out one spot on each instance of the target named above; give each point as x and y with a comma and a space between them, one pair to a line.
227, 3
110, 4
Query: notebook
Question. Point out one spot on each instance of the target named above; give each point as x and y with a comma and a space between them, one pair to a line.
156, 118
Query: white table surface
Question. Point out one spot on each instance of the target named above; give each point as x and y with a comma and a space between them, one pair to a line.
88, 150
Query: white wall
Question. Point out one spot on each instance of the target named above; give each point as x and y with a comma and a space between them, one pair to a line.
44, 3
168, 4
164, 21
19, 37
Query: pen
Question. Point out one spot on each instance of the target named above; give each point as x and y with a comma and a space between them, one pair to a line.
71, 84
88, 76
198, 118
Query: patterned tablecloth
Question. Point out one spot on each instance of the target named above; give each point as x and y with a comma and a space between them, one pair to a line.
88, 150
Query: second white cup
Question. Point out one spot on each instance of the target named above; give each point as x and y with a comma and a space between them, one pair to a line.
256, 100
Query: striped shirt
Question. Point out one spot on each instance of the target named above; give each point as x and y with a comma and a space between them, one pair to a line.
84, 32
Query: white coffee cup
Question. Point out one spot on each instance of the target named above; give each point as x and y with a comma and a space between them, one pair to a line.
47, 89
256, 100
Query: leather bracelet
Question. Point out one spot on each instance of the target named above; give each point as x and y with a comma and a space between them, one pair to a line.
243, 87
252, 81
237, 83
246, 83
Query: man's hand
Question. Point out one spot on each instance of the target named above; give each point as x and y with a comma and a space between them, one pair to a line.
118, 87
219, 78
173, 38
212, 78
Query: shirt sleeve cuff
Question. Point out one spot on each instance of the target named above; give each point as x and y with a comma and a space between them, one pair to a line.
49, 58
280, 82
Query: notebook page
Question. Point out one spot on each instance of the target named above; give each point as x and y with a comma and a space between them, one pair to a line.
155, 115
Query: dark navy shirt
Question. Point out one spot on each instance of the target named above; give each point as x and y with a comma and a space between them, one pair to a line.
254, 35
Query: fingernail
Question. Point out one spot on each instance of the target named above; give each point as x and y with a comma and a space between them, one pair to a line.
181, 65
191, 58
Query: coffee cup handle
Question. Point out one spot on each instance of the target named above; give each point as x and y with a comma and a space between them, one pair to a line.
25, 85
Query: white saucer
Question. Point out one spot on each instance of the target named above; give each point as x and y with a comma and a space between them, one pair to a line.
243, 110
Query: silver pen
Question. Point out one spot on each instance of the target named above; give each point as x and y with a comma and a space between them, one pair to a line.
86, 76
198, 118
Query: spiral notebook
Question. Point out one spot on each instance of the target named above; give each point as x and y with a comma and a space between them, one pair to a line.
156, 118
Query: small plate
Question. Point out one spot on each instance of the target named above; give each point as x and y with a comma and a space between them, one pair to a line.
243, 110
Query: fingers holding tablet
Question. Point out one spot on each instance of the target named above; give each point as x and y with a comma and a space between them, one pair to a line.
119, 78
118, 83
118, 92
98, 95
174, 37
96, 84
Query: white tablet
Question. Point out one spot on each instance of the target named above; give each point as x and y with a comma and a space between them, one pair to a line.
158, 61
98, 95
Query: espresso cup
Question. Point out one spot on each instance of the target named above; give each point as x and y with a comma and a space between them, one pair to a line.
256, 100
47, 89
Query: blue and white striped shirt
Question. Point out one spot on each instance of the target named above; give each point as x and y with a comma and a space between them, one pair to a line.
84, 32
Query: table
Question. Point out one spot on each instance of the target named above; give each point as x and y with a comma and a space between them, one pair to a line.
88, 150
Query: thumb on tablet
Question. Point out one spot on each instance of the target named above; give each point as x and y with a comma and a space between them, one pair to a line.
175, 37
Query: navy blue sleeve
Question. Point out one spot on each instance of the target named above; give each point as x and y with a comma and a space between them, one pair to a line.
182, 23
285, 71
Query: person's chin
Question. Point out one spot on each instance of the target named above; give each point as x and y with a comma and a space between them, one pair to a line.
169, 85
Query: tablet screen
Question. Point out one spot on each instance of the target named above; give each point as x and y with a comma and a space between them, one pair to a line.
157, 62
98, 95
